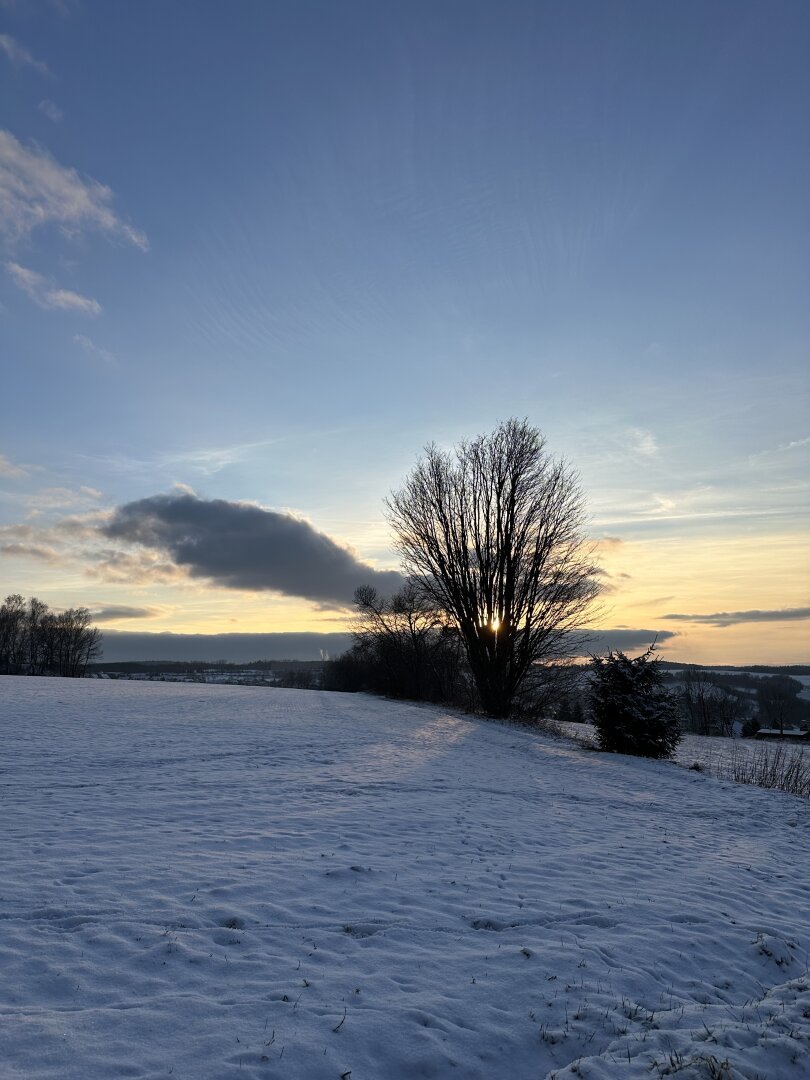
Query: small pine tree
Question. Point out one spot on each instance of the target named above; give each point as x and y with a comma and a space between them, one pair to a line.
632, 710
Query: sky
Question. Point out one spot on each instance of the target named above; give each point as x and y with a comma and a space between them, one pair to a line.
256, 256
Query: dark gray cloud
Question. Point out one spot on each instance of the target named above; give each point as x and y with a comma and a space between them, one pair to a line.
733, 618
121, 611
119, 645
245, 547
600, 641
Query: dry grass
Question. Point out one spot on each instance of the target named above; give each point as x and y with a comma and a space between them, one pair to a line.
781, 766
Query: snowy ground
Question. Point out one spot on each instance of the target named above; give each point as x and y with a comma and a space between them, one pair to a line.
715, 754
207, 882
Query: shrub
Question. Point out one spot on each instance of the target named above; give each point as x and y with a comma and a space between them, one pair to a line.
632, 711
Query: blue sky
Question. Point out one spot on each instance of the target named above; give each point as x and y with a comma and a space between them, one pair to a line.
268, 251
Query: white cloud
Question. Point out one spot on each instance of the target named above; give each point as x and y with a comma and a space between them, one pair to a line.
51, 110
92, 349
642, 442
59, 498
46, 296
795, 444
10, 470
20, 56
35, 190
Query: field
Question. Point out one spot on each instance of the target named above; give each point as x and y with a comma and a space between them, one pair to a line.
207, 882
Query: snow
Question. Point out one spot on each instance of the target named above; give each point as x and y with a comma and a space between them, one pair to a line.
212, 881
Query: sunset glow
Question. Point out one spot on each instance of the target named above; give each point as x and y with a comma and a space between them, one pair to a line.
256, 257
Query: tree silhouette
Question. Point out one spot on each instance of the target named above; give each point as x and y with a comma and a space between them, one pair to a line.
493, 533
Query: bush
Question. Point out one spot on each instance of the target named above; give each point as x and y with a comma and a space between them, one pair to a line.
632, 711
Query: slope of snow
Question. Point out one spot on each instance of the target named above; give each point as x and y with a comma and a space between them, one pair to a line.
204, 882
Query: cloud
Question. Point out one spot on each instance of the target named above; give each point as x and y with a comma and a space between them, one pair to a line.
92, 349
242, 546
125, 568
30, 551
51, 110
733, 618
46, 296
59, 498
121, 645
113, 612
211, 460
20, 56
600, 641
642, 442
608, 543
795, 443
35, 190
10, 470
783, 448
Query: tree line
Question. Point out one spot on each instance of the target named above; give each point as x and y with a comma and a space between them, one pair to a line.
37, 641
721, 703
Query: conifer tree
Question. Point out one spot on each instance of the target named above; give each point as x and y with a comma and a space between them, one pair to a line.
633, 712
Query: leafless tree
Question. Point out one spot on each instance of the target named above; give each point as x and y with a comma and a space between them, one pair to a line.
35, 641
493, 532
78, 641
35, 616
12, 634
708, 708
412, 650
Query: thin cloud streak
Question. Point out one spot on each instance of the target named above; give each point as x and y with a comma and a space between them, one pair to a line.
35, 191
20, 56
89, 346
30, 551
114, 612
734, 618
38, 288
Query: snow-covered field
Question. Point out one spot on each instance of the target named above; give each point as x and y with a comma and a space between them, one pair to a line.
207, 882
715, 754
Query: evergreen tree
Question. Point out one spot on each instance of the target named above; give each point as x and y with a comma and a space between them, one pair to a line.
632, 710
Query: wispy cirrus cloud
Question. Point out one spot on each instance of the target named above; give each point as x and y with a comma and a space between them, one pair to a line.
20, 56
61, 498
642, 442
89, 346
48, 296
734, 618
36, 191
51, 110
784, 448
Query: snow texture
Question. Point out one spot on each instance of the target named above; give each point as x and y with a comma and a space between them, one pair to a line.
207, 882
